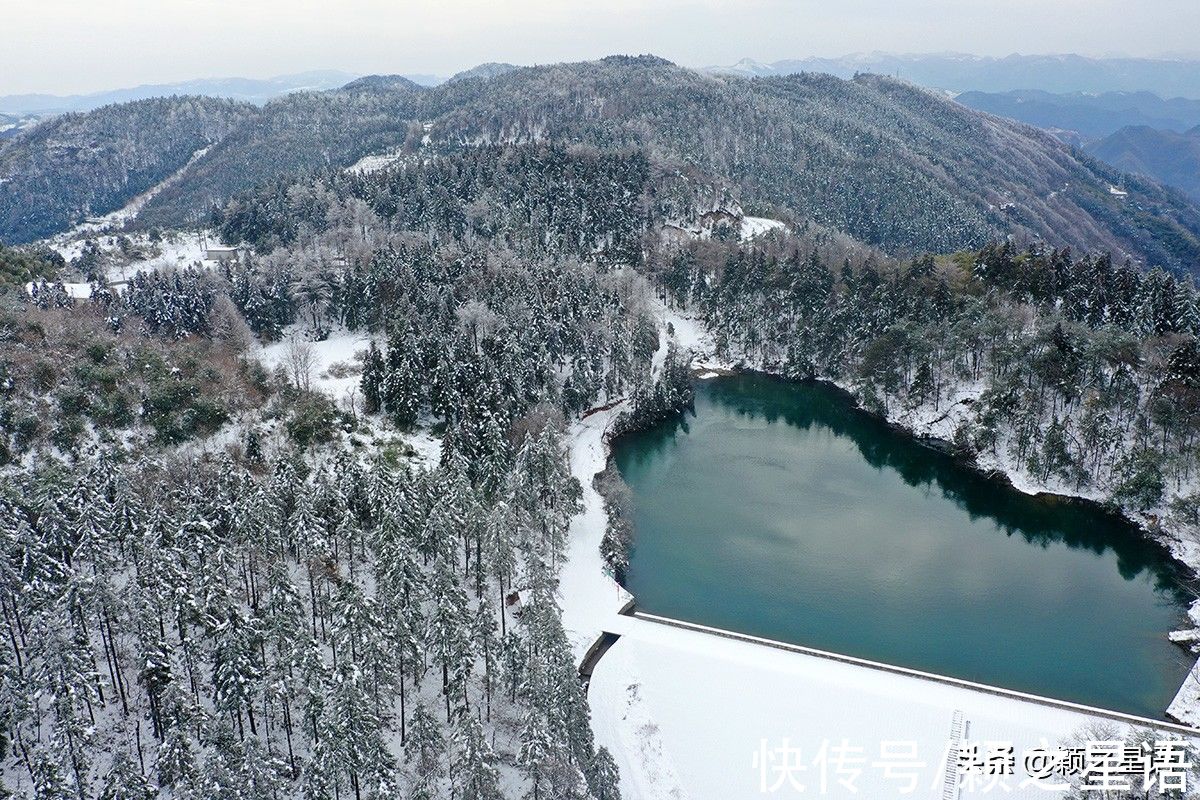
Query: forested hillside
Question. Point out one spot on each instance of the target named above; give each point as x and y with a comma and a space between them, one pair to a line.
1166, 156
533, 198
289, 628
894, 166
81, 165
225, 582
293, 136
891, 165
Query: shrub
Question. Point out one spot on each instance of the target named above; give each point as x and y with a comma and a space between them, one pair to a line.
311, 419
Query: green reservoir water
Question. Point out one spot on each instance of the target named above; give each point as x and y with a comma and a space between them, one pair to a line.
779, 510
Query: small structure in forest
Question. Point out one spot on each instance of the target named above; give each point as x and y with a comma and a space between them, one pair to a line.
221, 254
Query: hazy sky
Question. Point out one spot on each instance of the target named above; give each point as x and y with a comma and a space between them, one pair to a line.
64, 46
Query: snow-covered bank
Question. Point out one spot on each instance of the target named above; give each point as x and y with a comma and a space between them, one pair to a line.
1186, 704
590, 598
592, 602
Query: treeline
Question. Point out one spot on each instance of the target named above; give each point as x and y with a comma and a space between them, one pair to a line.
1093, 290
1074, 371
655, 401
283, 627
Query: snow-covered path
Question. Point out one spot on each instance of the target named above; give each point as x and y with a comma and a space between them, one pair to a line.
591, 605
590, 598
115, 219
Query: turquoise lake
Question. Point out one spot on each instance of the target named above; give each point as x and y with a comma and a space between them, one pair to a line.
779, 510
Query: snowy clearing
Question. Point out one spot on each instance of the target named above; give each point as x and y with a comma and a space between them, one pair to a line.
689, 334
374, 163
427, 447
334, 367
340, 351
757, 226
174, 249
76, 291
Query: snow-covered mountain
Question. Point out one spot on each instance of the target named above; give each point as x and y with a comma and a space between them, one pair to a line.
747, 67
866, 157
12, 124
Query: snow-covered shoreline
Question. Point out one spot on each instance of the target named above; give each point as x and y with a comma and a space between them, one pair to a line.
589, 595
938, 431
592, 603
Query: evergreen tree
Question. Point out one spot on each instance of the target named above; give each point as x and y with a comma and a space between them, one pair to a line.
475, 773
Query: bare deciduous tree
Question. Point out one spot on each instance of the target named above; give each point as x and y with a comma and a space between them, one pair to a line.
350, 401
300, 363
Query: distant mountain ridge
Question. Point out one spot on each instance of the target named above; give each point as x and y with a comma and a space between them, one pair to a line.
959, 72
1092, 116
248, 90
1170, 157
12, 124
895, 167
382, 83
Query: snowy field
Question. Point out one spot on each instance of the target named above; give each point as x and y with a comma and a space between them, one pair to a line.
178, 249
175, 249
756, 226
374, 163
